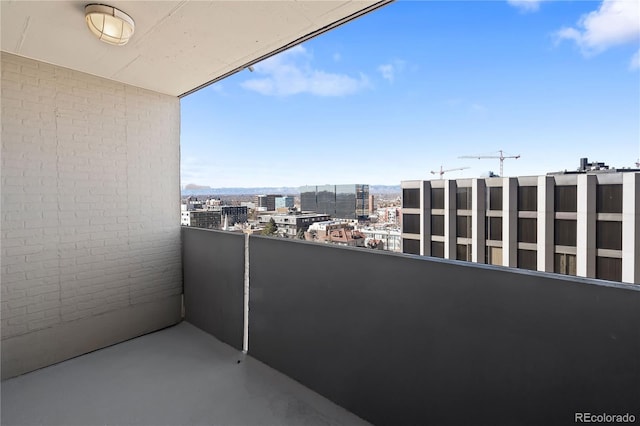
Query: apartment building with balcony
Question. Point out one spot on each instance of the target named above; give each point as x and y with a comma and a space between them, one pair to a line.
582, 223
112, 313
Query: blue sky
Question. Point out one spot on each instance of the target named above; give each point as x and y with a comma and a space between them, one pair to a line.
414, 85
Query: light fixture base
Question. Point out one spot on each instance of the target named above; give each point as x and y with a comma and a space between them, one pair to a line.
109, 24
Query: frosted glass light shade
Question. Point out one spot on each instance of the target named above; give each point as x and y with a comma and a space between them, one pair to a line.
109, 24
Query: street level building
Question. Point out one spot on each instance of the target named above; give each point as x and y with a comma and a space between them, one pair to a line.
191, 204
389, 237
390, 215
340, 232
200, 219
293, 224
213, 217
234, 214
584, 223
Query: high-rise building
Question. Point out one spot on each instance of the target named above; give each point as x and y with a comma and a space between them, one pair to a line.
338, 201
584, 223
286, 201
266, 202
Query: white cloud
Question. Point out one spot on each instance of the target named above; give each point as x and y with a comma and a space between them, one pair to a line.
195, 170
525, 5
291, 73
615, 22
390, 70
635, 61
387, 71
466, 105
478, 108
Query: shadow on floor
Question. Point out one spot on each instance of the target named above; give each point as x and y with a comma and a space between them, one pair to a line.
177, 376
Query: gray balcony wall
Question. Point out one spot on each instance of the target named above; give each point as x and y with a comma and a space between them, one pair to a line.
90, 213
406, 340
214, 283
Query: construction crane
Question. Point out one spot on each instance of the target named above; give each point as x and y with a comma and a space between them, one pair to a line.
441, 172
501, 157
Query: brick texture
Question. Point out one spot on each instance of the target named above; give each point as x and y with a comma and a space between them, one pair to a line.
90, 196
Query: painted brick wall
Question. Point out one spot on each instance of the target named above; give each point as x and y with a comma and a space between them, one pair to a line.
90, 210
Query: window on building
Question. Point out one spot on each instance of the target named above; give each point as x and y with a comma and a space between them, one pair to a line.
609, 235
437, 249
609, 199
494, 228
527, 230
463, 198
565, 264
463, 252
495, 198
411, 223
437, 225
463, 226
494, 255
528, 198
437, 198
566, 198
410, 246
411, 198
609, 268
528, 259
565, 232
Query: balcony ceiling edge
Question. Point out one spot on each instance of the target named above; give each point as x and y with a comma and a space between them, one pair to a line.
178, 46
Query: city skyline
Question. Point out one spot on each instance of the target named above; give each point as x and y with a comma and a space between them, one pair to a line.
550, 81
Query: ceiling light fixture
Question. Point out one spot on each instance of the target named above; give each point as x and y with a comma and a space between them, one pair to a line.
109, 24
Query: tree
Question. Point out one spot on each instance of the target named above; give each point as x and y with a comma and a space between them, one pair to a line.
271, 229
300, 234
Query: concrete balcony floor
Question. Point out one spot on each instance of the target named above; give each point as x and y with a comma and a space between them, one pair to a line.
176, 376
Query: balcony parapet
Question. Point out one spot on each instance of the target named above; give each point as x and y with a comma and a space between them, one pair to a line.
400, 339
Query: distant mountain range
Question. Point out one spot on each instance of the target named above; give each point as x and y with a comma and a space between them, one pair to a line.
193, 186
193, 189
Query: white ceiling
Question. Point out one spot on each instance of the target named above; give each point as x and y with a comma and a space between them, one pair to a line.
177, 46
